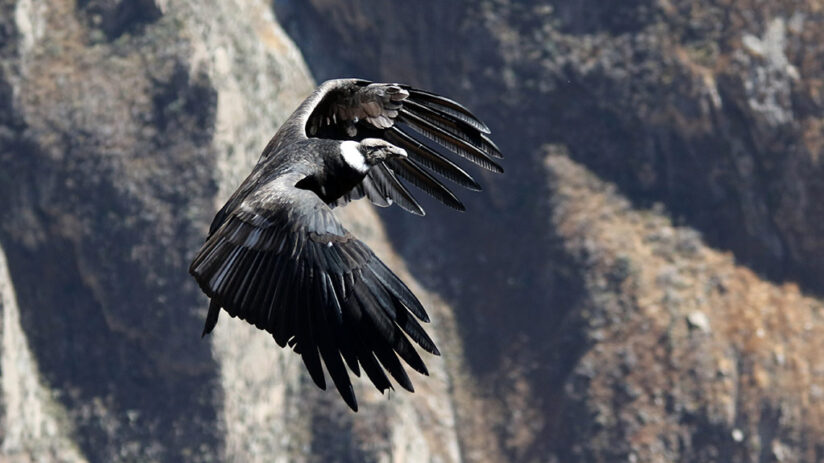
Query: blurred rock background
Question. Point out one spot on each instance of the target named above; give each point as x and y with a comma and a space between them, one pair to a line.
644, 283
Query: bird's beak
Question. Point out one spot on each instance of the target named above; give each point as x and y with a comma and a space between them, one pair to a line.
399, 152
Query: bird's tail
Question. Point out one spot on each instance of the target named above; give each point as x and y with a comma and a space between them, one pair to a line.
211, 318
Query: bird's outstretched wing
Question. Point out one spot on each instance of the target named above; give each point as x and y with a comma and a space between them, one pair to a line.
426, 125
282, 262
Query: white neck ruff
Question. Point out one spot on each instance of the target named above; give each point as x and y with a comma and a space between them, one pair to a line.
353, 157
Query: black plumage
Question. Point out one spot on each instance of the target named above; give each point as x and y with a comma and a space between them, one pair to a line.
277, 257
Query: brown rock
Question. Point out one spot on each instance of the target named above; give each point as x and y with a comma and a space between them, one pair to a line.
716, 395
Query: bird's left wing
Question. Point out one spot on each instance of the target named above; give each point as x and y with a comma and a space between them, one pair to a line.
283, 262
408, 118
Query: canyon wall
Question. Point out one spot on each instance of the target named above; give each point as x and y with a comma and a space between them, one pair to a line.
643, 283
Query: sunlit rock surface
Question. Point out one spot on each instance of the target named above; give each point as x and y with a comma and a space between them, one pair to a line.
124, 126
643, 283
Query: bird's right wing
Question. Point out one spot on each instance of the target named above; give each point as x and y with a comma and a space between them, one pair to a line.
282, 262
428, 126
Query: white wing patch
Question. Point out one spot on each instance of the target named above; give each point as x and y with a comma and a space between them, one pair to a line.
352, 156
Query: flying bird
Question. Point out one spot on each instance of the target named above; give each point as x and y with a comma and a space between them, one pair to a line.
277, 257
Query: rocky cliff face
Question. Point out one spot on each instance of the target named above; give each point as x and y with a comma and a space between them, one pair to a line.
642, 284
711, 108
692, 357
123, 126
705, 114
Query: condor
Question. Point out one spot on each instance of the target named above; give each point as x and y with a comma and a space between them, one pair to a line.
278, 258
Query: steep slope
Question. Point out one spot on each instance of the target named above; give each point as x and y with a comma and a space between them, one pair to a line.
707, 112
34, 426
692, 358
713, 108
123, 126
579, 322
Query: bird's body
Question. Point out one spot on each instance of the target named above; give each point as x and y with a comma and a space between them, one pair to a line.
278, 258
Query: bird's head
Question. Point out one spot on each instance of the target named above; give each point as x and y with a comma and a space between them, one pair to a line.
376, 150
369, 152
